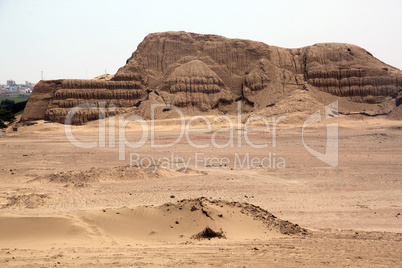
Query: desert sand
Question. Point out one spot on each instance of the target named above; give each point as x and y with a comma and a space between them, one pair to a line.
63, 206
251, 189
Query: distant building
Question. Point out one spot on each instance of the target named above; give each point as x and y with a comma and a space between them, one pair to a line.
10, 83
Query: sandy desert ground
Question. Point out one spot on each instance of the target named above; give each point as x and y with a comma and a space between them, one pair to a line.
64, 206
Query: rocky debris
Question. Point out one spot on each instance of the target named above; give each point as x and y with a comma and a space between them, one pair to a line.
27, 201
84, 178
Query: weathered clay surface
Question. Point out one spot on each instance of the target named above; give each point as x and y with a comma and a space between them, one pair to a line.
209, 72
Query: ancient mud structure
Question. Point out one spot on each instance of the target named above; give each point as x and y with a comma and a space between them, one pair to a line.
209, 72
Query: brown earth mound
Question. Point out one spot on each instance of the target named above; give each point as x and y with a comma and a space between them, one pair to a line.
209, 72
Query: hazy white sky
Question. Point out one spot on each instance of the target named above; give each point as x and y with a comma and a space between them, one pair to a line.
82, 38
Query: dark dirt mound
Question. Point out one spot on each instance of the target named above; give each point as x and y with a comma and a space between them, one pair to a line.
208, 233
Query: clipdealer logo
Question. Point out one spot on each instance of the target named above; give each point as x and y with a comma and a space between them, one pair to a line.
237, 131
330, 156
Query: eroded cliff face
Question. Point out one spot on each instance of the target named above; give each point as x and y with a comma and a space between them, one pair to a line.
348, 70
52, 100
209, 72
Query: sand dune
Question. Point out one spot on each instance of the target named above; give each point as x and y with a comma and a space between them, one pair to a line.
186, 218
172, 221
28, 232
65, 206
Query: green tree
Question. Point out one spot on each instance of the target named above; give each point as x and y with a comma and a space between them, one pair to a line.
2, 125
6, 116
16, 107
7, 102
